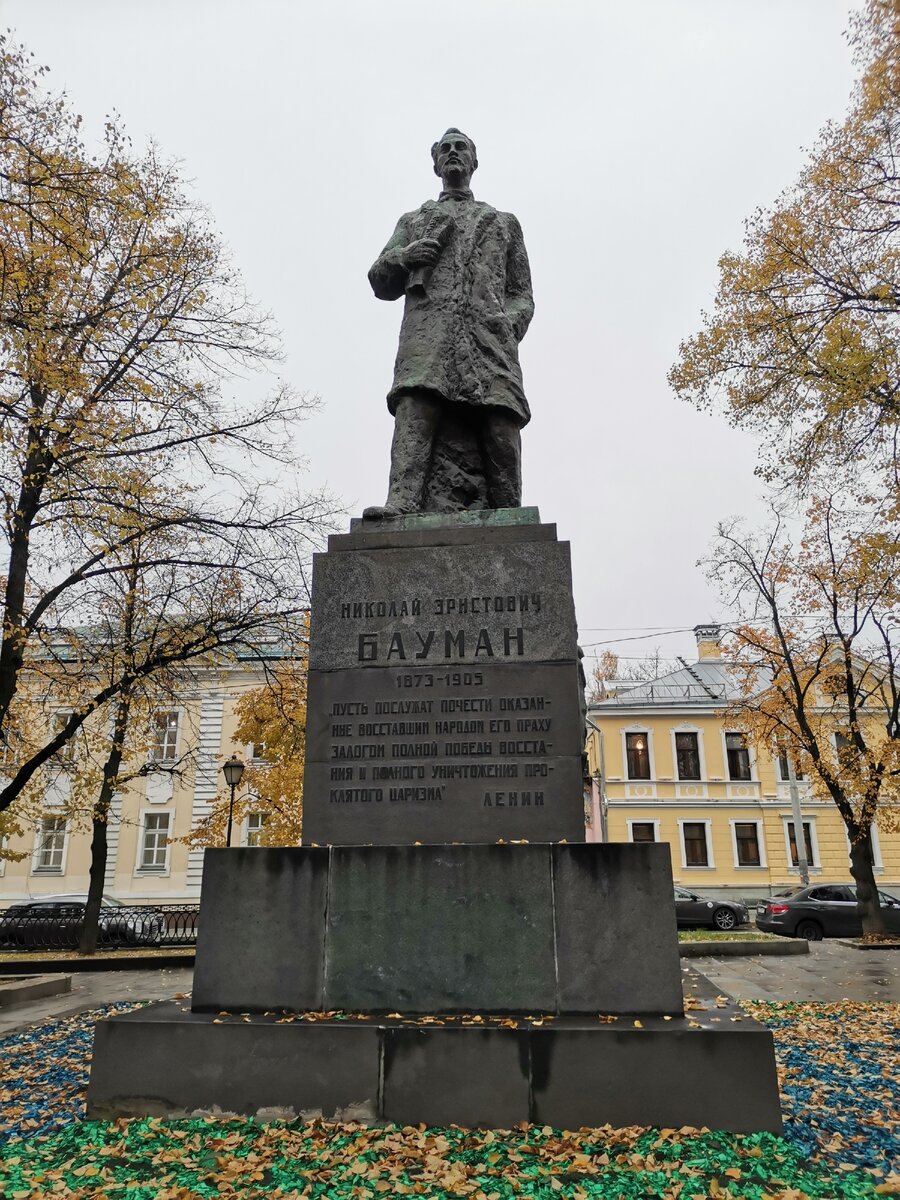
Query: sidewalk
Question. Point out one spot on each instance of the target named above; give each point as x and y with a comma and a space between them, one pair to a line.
93, 989
829, 972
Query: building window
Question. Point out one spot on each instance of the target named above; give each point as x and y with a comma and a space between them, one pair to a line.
687, 755
255, 823
643, 831
165, 736
66, 752
846, 750
637, 752
808, 839
877, 861
738, 756
50, 845
154, 844
783, 768
746, 843
10, 744
696, 843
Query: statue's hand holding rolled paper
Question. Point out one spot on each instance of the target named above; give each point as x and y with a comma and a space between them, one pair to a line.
422, 255
423, 252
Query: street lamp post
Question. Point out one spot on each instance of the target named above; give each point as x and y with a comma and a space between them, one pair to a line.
799, 831
233, 769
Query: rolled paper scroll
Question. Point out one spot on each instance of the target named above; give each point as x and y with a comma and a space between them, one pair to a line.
440, 227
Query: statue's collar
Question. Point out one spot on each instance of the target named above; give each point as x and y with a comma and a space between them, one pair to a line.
455, 194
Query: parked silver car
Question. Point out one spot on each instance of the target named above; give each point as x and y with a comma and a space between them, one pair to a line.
692, 911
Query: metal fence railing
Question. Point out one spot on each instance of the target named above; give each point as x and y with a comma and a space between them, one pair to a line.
58, 926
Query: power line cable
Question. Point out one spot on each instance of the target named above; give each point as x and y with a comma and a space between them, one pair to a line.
640, 637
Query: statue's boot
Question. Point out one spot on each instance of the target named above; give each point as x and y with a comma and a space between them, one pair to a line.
416, 419
382, 512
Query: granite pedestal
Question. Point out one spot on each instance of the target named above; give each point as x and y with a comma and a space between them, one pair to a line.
478, 985
445, 688
445, 946
439, 929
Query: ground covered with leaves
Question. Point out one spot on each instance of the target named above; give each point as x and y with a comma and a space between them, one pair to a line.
839, 1080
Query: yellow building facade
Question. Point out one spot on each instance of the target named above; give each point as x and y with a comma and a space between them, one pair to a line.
193, 733
666, 766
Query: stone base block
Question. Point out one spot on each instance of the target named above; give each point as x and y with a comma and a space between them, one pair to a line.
431, 929
571, 1072
33, 987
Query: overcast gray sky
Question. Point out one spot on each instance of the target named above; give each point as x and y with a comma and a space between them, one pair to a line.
630, 137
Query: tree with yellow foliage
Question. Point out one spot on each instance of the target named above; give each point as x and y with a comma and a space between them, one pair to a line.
604, 670
121, 320
802, 345
271, 719
140, 616
816, 656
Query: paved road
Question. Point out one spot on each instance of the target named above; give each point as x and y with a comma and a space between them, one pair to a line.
829, 972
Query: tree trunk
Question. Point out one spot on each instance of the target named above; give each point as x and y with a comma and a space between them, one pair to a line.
87, 943
99, 844
861, 868
33, 478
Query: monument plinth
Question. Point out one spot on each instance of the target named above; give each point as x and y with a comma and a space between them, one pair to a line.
445, 691
407, 967
445, 947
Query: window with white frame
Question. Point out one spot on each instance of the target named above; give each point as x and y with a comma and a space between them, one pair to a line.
164, 736
784, 768
687, 755
10, 742
738, 755
255, 824
809, 840
637, 755
748, 851
846, 750
50, 845
695, 847
642, 831
66, 752
155, 842
877, 861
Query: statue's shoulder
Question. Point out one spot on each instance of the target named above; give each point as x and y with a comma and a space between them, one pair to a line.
510, 220
415, 215
484, 210
424, 210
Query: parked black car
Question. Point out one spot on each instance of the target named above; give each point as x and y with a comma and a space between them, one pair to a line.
56, 924
822, 910
692, 910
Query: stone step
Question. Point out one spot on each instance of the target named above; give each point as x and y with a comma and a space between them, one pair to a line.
164, 1060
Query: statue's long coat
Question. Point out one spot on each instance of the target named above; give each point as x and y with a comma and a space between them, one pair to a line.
460, 334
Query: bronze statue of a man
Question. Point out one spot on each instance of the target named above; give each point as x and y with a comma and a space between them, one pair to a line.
457, 396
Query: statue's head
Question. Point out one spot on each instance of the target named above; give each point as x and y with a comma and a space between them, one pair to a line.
454, 158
